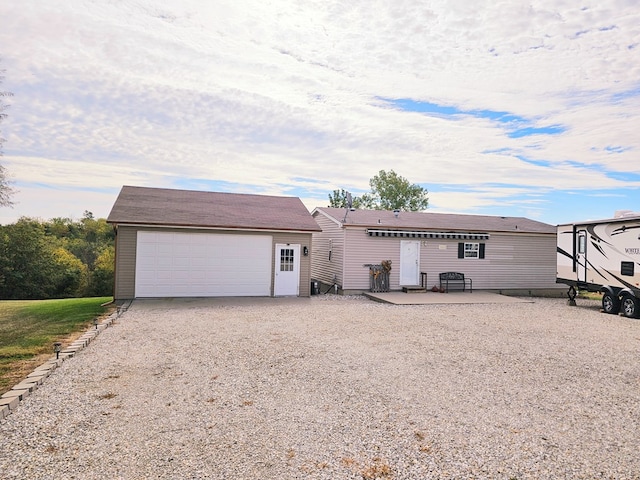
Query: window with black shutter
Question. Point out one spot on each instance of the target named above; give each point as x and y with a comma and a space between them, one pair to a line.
471, 250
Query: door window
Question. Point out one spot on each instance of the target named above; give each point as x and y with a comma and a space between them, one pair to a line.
286, 260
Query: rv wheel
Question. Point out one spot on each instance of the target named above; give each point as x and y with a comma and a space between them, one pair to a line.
630, 307
610, 303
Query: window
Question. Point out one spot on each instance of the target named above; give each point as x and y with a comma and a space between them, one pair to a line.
582, 242
626, 268
286, 260
471, 250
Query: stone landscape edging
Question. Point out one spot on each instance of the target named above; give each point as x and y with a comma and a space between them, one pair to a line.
10, 400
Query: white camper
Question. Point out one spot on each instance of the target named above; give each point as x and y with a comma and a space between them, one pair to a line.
603, 256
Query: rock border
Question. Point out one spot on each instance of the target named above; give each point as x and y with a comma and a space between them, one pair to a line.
10, 400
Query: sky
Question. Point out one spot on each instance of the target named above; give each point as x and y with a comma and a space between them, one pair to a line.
497, 107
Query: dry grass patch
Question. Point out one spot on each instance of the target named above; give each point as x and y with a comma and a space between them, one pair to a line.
379, 469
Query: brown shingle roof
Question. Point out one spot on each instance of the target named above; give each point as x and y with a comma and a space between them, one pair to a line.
163, 206
444, 222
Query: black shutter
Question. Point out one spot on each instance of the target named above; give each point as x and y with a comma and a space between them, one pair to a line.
482, 250
461, 250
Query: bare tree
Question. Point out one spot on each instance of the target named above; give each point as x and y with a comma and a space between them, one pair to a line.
6, 191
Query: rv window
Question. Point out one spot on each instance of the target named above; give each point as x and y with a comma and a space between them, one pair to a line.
626, 268
582, 242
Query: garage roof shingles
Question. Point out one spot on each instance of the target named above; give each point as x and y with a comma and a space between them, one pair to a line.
190, 208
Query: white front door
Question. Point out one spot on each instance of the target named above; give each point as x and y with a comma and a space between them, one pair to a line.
287, 271
409, 262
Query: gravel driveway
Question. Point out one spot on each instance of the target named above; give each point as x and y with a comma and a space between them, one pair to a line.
339, 388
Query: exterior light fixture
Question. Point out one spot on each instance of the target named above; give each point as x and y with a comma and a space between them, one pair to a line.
95, 322
305, 251
56, 348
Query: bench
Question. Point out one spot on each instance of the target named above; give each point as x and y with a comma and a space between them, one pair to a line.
455, 280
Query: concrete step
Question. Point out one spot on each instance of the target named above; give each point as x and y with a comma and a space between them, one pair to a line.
416, 289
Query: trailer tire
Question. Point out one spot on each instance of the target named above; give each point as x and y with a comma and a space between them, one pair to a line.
630, 306
610, 303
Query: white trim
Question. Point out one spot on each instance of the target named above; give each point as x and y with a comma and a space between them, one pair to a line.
228, 229
330, 217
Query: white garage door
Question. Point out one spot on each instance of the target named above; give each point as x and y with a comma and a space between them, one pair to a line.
189, 264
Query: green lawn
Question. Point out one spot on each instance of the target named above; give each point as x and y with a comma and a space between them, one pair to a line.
28, 329
590, 295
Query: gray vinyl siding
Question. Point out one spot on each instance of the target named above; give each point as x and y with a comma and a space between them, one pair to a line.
324, 268
520, 261
512, 261
126, 242
361, 249
125, 268
304, 240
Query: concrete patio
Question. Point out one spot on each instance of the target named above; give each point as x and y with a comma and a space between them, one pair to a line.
434, 298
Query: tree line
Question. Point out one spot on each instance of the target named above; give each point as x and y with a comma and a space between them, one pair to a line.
58, 258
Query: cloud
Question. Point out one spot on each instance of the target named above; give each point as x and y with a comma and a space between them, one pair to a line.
44, 202
262, 96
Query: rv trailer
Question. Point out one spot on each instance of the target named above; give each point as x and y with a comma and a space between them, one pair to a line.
601, 256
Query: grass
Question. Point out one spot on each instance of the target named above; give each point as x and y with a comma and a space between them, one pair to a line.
590, 295
583, 294
28, 329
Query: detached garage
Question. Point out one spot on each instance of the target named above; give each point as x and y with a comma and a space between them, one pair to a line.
183, 243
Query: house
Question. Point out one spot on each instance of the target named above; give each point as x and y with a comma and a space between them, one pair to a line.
182, 243
505, 254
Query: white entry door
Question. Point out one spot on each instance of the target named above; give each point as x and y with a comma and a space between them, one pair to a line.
287, 271
409, 262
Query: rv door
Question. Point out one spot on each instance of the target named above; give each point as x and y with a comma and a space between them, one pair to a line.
581, 256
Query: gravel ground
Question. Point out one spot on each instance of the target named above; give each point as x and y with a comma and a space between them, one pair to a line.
339, 388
